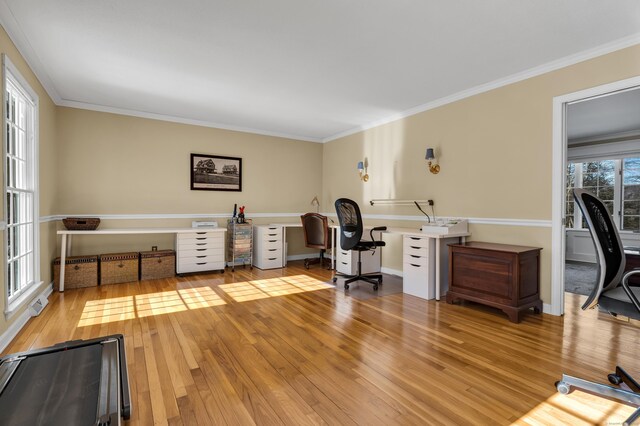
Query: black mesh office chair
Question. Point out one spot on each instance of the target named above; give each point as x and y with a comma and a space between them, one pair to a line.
316, 235
351, 239
611, 293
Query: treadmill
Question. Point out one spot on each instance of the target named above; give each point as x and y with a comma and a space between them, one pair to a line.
81, 382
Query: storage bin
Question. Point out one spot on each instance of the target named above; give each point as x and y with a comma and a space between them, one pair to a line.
157, 264
118, 268
81, 223
80, 271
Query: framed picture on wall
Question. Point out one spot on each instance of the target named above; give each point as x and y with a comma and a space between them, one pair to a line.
216, 173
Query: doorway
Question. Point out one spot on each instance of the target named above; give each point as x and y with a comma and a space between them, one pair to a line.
584, 139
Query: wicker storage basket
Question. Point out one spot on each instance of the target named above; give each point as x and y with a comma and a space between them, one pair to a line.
80, 271
157, 264
118, 268
81, 223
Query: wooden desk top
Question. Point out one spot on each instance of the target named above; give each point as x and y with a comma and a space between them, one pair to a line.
496, 247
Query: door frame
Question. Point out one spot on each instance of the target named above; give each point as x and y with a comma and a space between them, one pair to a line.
558, 163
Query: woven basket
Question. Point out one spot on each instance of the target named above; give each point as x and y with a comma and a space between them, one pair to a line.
118, 268
80, 271
157, 264
81, 223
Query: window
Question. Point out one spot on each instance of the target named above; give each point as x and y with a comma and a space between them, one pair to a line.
615, 182
20, 183
631, 194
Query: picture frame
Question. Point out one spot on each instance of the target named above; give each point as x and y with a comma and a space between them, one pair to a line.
215, 173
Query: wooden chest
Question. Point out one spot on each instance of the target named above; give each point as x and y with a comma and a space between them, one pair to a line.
500, 275
80, 271
157, 264
118, 268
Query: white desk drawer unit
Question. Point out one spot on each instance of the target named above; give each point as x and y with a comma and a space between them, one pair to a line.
267, 246
418, 273
199, 251
347, 260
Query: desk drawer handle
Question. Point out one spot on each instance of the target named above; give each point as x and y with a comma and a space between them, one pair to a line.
201, 263
272, 235
415, 238
200, 239
414, 256
201, 233
273, 241
272, 258
200, 257
201, 249
201, 244
414, 247
417, 266
344, 263
272, 249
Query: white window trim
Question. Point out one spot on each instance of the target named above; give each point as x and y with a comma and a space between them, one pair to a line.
9, 69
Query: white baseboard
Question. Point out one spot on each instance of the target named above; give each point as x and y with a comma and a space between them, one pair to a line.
21, 321
546, 309
391, 271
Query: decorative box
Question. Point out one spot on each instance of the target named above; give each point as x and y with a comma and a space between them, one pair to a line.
157, 264
80, 271
118, 268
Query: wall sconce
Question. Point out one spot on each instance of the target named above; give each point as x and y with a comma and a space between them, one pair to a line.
432, 162
362, 170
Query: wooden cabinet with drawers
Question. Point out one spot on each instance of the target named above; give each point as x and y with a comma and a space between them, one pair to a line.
199, 251
268, 246
504, 276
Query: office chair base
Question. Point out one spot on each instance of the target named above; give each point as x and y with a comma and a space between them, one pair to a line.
375, 279
569, 383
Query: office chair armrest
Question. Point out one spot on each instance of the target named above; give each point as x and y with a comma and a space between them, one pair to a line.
627, 289
377, 228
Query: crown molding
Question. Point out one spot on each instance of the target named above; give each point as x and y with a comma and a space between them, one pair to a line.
11, 26
13, 30
181, 120
514, 78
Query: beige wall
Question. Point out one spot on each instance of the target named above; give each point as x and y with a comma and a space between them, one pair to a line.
47, 175
495, 154
114, 164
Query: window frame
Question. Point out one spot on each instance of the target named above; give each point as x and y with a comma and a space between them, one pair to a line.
11, 73
617, 189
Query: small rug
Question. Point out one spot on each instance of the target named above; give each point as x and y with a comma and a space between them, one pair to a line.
580, 277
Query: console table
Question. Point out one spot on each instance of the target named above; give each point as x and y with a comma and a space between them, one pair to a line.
65, 246
504, 276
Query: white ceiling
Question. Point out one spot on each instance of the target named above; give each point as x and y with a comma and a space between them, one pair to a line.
609, 116
305, 69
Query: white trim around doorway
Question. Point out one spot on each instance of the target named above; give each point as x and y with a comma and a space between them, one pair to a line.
558, 179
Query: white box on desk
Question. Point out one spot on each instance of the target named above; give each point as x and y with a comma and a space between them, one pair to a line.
445, 226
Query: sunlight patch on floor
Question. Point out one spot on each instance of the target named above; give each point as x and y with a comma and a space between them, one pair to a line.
271, 287
129, 307
577, 408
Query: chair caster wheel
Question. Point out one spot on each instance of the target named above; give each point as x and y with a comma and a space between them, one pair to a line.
334, 279
346, 286
563, 388
306, 264
614, 379
375, 287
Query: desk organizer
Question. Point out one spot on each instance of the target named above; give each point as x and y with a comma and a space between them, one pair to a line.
118, 268
157, 264
79, 272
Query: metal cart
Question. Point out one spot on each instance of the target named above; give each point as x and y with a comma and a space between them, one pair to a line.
239, 244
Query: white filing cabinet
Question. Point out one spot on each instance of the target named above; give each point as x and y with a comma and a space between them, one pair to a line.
347, 260
418, 270
199, 251
268, 246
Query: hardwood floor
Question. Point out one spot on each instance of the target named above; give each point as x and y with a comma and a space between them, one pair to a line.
284, 347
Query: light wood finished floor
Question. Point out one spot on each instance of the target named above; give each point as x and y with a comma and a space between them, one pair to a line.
283, 347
